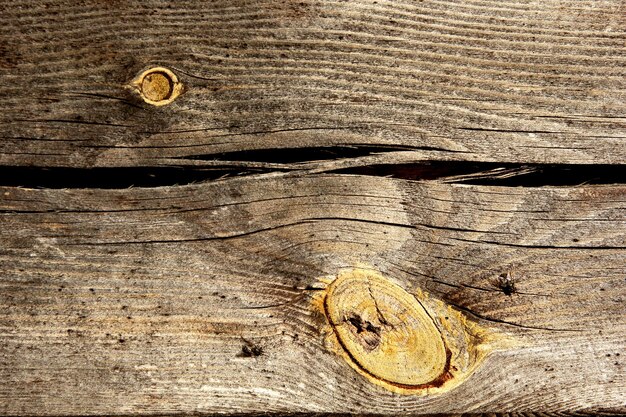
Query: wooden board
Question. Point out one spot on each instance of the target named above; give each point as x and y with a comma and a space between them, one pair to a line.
143, 301
505, 81
197, 197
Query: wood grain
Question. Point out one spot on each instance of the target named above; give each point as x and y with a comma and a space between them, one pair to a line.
199, 298
471, 154
479, 80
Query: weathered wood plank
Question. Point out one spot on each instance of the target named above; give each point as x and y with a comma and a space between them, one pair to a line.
219, 297
201, 298
504, 81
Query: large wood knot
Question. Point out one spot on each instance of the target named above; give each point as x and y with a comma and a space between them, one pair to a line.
406, 342
385, 330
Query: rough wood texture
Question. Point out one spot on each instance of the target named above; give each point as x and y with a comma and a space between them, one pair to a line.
199, 298
471, 154
517, 81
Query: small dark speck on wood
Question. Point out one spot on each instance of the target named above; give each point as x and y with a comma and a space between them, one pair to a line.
250, 350
506, 283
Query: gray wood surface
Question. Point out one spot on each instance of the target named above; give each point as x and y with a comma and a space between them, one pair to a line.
504, 81
141, 301
171, 257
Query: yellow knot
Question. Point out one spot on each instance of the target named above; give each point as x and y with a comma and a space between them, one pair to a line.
158, 86
407, 343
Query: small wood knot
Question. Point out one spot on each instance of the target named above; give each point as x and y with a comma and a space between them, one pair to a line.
158, 86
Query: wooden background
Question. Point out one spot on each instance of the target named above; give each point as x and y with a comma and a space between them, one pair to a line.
163, 260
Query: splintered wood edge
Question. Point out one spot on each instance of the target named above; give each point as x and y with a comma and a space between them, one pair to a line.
381, 340
175, 87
